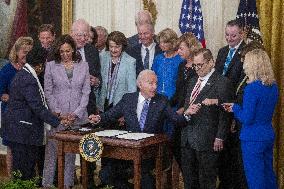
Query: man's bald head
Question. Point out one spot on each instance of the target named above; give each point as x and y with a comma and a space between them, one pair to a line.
143, 17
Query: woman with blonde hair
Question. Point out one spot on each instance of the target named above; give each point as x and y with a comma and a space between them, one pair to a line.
17, 59
187, 45
255, 114
166, 64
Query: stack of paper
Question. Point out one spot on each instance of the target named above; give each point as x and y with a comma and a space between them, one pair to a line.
84, 129
110, 133
134, 136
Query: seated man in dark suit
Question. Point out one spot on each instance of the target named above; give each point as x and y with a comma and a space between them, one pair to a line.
143, 111
145, 52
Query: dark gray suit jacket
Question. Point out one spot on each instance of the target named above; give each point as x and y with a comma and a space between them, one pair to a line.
135, 52
93, 59
235, 67
159, 110
133, 40
211, 121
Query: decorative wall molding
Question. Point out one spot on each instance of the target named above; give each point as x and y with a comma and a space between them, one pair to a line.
67, 16
150, 5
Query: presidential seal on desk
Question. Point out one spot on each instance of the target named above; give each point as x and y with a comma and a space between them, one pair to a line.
91, 147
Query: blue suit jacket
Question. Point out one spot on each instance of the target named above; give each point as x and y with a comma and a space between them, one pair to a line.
159, 110
25, 114
256, 113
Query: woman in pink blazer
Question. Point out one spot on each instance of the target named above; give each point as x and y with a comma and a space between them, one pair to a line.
67, 88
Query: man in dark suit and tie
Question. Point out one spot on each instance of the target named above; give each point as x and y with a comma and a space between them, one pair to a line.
143, 111
80, 32
146, 51
202, 139
229, 64
142, 17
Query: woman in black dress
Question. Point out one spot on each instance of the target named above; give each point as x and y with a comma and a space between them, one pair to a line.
187, 43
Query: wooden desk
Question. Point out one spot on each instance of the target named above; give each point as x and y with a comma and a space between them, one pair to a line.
113, 148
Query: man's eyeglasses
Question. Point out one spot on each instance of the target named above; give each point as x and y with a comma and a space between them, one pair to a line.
82, 34
199, 65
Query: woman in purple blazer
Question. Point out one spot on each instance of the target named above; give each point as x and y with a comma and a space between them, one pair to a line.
67, 88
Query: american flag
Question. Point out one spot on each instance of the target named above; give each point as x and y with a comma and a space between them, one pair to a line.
191, 19
247, 15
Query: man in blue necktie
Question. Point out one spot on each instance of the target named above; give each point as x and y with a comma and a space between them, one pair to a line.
229, 64
143, 111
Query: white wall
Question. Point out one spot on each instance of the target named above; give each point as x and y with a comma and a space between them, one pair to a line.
120, 14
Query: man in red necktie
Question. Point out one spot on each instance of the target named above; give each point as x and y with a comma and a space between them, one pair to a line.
203, 137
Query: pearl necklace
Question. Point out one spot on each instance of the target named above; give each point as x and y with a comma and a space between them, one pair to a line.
68, 65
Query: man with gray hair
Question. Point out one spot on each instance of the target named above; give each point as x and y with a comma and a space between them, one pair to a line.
142, 17
143, 111
147, 50
102, 38
80, 32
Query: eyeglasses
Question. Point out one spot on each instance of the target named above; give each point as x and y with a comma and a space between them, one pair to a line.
200, 65
197, 66
81, 34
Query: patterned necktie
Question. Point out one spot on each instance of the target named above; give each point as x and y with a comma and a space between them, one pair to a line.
195, 91
146, 59
81, 52
144, 114
228, 60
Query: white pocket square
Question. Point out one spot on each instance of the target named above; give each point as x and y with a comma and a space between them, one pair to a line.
25, 122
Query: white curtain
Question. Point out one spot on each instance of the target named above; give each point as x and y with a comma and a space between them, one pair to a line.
120, 15
7, 13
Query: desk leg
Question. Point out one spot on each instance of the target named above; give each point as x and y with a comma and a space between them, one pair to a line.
84, 173
159, 167
137, 170
175, 174
61, 164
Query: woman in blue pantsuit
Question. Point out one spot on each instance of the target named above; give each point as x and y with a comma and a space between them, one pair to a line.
257, 135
